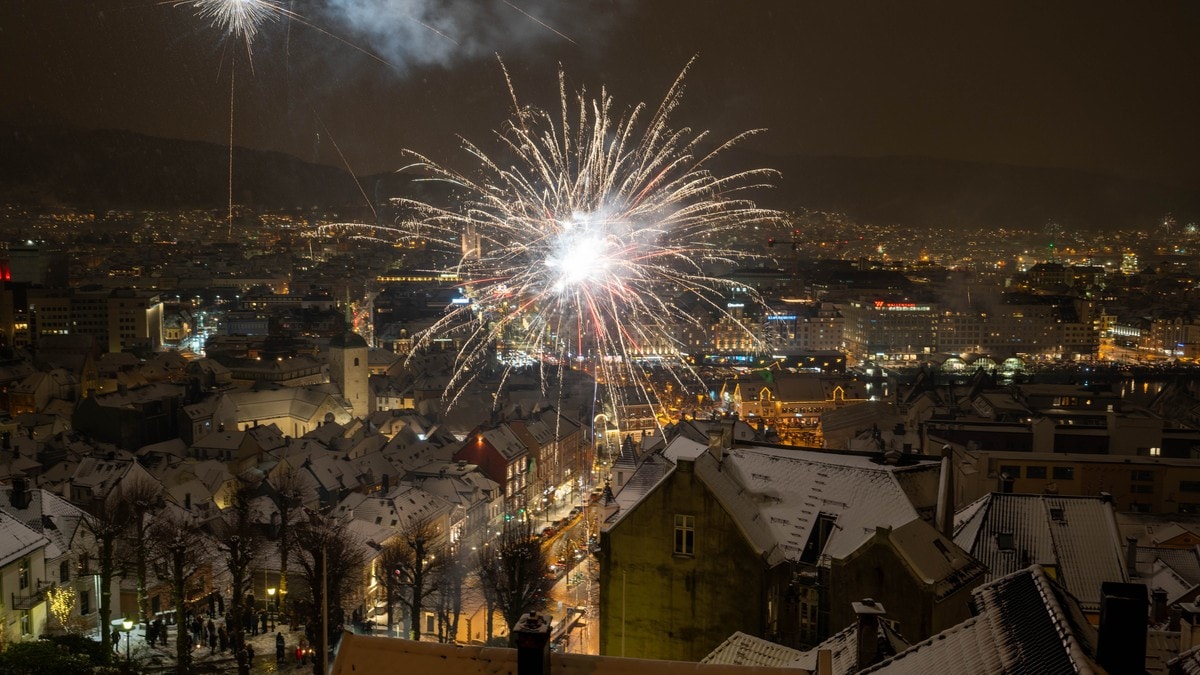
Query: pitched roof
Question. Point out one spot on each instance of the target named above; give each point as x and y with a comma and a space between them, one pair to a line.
1008, 532
1025, 624
54, 517
370, 654
776, 495
17, 539
742, 649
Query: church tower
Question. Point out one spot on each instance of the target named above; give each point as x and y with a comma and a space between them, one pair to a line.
348, 370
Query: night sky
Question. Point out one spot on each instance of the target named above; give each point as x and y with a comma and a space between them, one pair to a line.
1108, 86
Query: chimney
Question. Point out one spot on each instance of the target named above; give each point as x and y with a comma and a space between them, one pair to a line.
716, 445
18, 497
868, 612
1131, 556
824, 662
1158, 606
1006, 484
532, 637
945, 498
1123, 614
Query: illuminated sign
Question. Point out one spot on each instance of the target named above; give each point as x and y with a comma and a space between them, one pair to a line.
735, 304
782, 317
901, 306
460, 301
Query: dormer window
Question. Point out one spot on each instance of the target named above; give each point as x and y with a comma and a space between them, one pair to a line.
1004, 541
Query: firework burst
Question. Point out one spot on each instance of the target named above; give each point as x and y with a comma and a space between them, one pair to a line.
592, 242
239, 19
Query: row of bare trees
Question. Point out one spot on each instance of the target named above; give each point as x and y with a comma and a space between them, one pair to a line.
137, 533
508, 573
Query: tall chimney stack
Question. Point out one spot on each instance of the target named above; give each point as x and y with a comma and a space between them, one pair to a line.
1123, 619
868, 612
945, 498
532, 637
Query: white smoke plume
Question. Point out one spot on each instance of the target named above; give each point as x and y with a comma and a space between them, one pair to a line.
411, 33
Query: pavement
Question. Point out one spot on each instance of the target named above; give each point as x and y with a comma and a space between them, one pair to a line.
161, 659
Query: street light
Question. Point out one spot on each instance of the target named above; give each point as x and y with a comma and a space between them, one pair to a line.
271, 607
128, 626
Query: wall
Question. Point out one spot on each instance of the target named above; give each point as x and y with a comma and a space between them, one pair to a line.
663, 606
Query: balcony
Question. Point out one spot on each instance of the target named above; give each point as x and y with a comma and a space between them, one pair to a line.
27, 601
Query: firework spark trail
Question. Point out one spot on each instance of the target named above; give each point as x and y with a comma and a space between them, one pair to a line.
593, 225
541, 23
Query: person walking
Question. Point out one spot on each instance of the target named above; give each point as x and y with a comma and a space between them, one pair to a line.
116, 640
279, 645
223, 639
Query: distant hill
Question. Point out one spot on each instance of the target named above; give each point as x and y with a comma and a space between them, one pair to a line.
116, 169
916, 190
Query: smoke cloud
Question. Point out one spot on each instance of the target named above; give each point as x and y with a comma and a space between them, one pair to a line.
410, 33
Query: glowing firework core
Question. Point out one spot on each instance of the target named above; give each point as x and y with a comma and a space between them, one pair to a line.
582, 254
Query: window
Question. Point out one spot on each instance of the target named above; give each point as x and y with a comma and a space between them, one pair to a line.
23, 575
1004, 541
1189, 486
1011, 471
1035, 472
25, 623
1141, 475
685, 535
1185, 507
85, 603
64, 571
1155, 451
809, 604
1064, 473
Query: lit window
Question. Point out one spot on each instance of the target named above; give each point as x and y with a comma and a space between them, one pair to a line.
685, 535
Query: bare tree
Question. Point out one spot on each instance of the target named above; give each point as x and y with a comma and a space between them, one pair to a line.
106, 522
287, 494
417, 568
175, 541
328, 555
239, 542
452, 576
514, 572
139, 496
392, 555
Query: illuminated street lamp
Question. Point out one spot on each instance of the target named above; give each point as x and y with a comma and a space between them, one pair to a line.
271, 607
128, 626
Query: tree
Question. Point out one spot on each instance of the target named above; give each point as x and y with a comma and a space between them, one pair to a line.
452, 575
391, 556
240, 541
106, 522
62, 604
139, 496
175, 542
417, 567
514, 572
328, 555
288, 486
